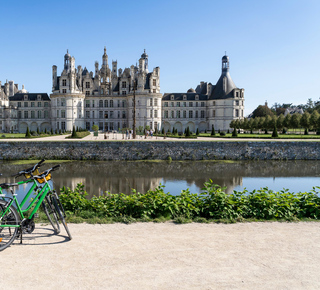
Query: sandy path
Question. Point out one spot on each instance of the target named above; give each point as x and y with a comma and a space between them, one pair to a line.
167, 256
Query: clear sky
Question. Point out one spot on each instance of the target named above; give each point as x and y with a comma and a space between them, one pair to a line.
274, 45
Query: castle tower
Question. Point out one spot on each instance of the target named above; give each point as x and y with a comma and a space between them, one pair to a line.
145, 57
67, 61
54, 77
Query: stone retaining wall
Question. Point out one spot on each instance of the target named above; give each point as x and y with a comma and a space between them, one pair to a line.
161, 150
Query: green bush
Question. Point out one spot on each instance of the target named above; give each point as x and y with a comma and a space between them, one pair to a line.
212, 204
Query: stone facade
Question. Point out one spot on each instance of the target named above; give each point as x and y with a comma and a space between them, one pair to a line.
105, 98
161, 150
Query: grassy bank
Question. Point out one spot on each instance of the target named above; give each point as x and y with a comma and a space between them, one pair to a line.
212, 205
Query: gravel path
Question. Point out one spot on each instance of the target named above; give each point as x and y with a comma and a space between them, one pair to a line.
166, 256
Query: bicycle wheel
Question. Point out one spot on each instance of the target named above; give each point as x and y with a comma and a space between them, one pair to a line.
11, 218
59, 210
51, 214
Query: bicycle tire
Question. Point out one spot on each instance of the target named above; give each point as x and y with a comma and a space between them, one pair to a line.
8, 234
51, 214
55, 202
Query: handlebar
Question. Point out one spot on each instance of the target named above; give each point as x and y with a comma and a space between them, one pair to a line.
29, 170
43, 174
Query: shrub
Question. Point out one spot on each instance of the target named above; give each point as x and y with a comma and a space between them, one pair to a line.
28, 135
222, 133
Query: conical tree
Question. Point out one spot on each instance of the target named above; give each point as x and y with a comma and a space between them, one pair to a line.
45, 131
28, 135
213, 132
38, 131
275, 132
197, 133
51, 131
234, 132
188, 132
74, 133
162, 131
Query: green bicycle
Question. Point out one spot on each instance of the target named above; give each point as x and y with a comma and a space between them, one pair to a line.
13, 222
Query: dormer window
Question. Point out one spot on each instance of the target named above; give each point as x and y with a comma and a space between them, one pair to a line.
172, 97
25, 97
184, 97
197, 97
39, 97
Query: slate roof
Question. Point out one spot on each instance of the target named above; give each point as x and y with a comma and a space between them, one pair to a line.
31, 97
219, 92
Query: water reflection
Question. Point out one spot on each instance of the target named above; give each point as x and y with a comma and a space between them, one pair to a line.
122, 176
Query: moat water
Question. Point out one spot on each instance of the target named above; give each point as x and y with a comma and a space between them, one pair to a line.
122, 176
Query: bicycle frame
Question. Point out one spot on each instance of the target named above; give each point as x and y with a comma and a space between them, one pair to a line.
35, 203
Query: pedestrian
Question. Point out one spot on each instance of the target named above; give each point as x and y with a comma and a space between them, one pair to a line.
151, 133
127, 134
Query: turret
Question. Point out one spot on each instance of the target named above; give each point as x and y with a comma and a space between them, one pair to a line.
225, 64
105, 58
145, 57
67, 60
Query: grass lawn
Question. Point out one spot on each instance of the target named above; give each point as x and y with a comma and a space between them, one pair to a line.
263, 136
80, 135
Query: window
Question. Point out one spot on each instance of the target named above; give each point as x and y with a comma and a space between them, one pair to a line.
172, 114
154, 82
46, 104
111, 103
106, 103
237, 113
88, 125
63, 113
19, 104
57, 125
100, 125
154, 91
118, 103
151, 102
87, 93
184, 104
237, 94
190, 104
151, 127
87, 114
124, 93
87, 104
100, 114
39, 104
46, 114
63, 102
33, 115
178, 114
92, 103
156, 102
214, 103
106, 115
151, 113
178, 104
166, 104
87, 85
172, 104
184, 114
202, 114
156, 113
39, 114
213, 113
64, 83
123, 104
19, 114
202, 104
155, 125
26, 104
197, 114
92, 114
57, 113
111, 114
64, 91
124, 85
237, 103
118, 114
63, 125
26, 114
100, 104
165, 115
197, 104
32, 104
190, 114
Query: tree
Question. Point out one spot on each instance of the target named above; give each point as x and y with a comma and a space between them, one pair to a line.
213, 132
287, 121
45, 131
295, 121
188, 132
305, 121
234, 132
162, 131
280, 122
38, 131
314, 119
74, 133
51, 131
275, 132
197, 133
95, 128
262, 111
28, 135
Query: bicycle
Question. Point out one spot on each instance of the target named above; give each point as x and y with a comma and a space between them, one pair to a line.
13, 223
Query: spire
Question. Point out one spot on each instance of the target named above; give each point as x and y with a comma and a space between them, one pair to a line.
225, 64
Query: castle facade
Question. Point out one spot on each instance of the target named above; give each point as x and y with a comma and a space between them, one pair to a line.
106, 96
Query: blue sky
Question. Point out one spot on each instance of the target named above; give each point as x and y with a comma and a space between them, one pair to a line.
273, 45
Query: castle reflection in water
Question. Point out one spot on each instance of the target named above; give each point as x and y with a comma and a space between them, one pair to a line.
123, 176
